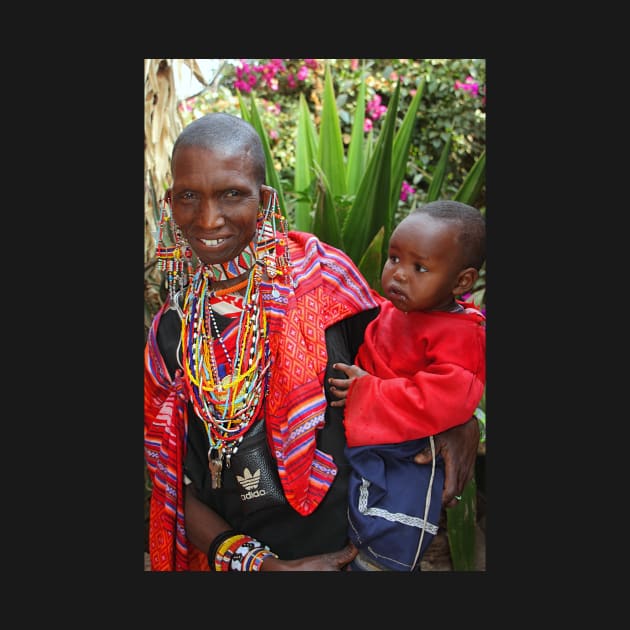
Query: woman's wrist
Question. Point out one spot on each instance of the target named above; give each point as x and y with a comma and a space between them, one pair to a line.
233, 551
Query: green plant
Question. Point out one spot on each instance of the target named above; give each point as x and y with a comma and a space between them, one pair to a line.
348, 198
350, 201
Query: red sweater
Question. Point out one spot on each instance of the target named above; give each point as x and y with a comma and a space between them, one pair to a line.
427, 374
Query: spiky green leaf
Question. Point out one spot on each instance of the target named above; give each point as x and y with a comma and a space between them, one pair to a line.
461, 523
371, 207
400, 151
305, 152
271, 173
325, 220
437, 179
471, 186
330, 150
356, 152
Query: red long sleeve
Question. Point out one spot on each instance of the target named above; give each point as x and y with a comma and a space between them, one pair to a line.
427, 374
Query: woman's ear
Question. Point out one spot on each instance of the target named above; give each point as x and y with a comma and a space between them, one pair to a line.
167, 196
465, 280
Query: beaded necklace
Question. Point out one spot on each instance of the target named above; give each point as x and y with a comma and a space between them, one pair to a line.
226, 401
227, 389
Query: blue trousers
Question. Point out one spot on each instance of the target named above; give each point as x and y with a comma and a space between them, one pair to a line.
394, 505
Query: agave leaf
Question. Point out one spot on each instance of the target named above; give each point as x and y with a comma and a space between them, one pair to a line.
330, 152
305, 152
371, 263
461, 521
439, 172
272, 175
356, 152
400, 155
243, 105
370, 209
471, 186
325, 220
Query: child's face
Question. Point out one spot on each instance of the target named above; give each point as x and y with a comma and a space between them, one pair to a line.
423, 265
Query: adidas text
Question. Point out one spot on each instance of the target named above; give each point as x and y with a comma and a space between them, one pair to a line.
253, 495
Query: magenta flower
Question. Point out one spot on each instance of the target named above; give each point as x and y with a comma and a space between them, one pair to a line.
470, 85
406, 191
367, 125
242, 86
374, 108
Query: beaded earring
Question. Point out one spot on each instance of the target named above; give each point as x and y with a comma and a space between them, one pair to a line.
272, 246
174, 259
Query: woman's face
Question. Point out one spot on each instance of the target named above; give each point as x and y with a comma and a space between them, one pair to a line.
215, 199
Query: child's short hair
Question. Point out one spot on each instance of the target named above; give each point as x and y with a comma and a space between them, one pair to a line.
472, 233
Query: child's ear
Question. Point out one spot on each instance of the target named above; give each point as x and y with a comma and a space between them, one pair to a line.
465, 280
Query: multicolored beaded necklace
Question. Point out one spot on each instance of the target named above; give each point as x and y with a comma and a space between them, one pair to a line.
227, 389
227, 400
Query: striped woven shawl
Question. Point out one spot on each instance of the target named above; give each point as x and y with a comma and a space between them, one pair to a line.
329, 289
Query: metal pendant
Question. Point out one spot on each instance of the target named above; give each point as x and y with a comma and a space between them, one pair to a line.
215, 464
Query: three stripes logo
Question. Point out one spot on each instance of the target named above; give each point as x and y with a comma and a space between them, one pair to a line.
250, 483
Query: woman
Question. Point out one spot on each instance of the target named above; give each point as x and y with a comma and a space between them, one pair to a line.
245, 455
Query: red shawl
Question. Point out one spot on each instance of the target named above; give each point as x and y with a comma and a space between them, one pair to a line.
329, 289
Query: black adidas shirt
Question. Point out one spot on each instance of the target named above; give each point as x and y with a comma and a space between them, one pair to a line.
278, 525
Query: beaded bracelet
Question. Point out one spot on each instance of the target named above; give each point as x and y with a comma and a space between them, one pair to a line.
212, 550
231, 551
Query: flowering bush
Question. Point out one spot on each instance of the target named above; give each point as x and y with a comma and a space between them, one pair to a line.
453, 104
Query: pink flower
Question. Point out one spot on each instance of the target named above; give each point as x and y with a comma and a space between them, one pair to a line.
470, 85
406, 191
302, 73
367, 125
354, 64
242, 86
374, 108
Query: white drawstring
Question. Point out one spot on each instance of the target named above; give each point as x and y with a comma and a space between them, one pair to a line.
427, 502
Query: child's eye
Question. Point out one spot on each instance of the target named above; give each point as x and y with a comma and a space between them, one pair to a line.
421, 269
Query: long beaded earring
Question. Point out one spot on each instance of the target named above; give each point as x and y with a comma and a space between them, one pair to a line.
272, 248
174, 259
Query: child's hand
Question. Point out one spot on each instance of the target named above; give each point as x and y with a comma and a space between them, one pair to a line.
339, 386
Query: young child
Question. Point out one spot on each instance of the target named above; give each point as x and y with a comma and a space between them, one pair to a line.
420, 370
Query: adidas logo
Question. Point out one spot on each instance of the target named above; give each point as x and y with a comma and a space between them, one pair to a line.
250, 483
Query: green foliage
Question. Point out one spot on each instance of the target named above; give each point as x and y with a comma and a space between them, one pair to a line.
446, 111
368, 223
461, 526
342, 182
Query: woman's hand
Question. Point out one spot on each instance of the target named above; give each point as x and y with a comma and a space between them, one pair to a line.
458, 447
334, 561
